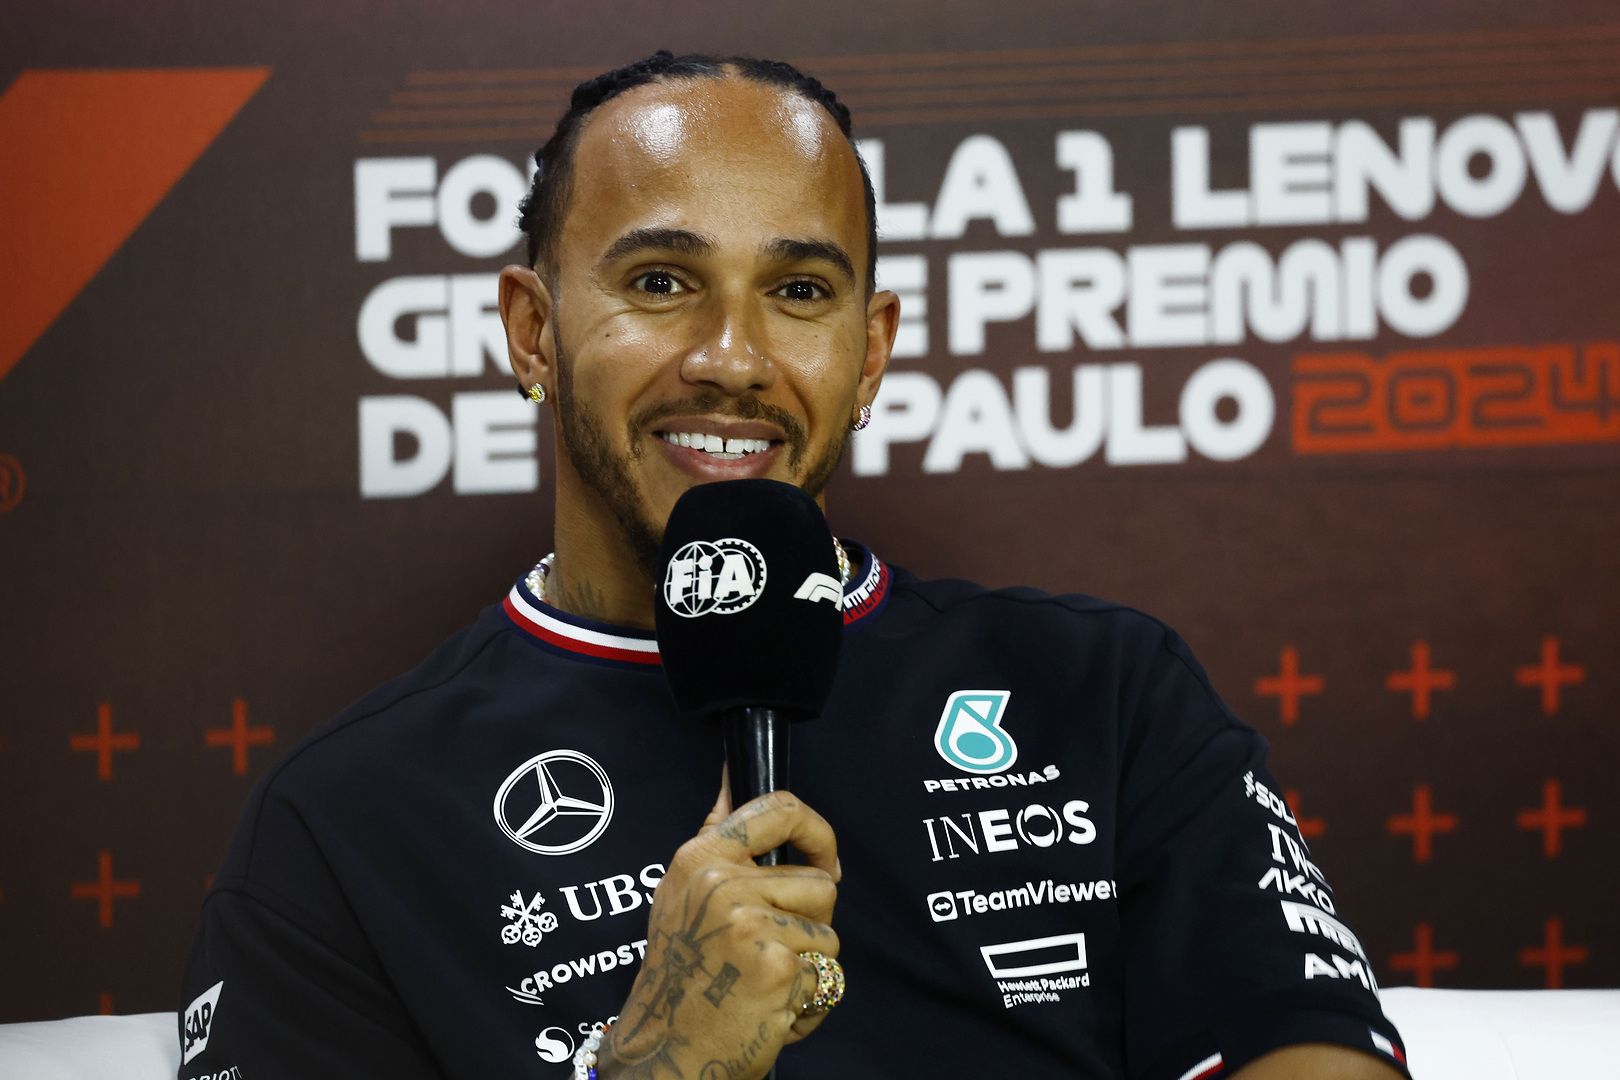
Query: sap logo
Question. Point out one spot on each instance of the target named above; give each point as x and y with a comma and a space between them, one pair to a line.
820, 587
528, 991
720, 578
199, 1022
1316, 967
1036, 825
969, 734
620, 890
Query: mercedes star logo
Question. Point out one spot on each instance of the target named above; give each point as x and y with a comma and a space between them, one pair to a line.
555, 803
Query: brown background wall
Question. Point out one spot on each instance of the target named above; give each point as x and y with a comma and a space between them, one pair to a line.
184, 541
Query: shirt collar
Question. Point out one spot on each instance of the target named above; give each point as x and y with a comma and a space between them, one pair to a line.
865, 595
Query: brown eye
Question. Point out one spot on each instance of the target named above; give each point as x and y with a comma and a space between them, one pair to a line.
802, 291
657, 282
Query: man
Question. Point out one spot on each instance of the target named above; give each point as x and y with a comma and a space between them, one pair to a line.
1054, 851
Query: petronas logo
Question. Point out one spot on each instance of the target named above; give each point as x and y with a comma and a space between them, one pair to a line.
969, 735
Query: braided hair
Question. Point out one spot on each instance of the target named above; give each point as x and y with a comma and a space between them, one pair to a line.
542, 209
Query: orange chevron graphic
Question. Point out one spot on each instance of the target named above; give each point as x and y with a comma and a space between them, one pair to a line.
88, 155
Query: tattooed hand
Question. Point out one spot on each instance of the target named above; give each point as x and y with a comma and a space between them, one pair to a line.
723, 984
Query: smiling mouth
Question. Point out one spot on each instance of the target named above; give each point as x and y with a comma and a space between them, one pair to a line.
714, 445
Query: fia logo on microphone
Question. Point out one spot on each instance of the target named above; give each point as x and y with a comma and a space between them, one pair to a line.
718, 578
969, 735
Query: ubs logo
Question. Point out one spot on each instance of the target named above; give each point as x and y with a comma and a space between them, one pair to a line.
555, 803
719, 578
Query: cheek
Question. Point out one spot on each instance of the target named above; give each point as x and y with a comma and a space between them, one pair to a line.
616, 364
828, 365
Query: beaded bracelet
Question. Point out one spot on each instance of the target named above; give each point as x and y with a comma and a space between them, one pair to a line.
585, 1057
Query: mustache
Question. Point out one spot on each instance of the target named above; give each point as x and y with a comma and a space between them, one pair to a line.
714, 403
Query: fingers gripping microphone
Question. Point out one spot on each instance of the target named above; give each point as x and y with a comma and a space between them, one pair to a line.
750, 618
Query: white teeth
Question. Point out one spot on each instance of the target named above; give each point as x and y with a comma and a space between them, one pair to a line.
729, 449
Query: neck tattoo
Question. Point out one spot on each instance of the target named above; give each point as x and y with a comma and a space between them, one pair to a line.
536, 579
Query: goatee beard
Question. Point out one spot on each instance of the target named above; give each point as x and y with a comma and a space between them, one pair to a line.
585, 440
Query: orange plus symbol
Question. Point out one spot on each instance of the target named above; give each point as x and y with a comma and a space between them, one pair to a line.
105, 888
1550, 675
239, 736
1552, 818
1553, 954
1421, 681
1288, 685
104, 742
1422, 961
1309, 827
1422, 823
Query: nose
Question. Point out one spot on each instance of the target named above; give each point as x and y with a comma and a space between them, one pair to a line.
730, 355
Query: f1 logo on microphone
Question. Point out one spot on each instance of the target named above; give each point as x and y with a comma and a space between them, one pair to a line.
820, 587
942, 906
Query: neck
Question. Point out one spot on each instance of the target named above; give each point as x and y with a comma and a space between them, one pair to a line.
595, 574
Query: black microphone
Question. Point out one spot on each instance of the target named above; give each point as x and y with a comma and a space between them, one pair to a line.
750, 618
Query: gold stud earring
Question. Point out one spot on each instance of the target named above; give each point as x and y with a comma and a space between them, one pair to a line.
537, 394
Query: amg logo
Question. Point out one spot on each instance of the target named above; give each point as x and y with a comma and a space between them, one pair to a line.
1316, 967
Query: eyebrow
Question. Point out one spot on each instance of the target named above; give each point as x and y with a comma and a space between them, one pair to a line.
683, 241
788, 250
686, 242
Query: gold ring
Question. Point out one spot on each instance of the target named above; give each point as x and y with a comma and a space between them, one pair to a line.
829, 982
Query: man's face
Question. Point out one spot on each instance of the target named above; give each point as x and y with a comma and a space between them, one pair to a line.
709, 309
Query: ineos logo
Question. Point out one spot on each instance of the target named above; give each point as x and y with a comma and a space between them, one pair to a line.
718, 578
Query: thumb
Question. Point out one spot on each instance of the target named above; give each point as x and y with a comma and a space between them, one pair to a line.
722, 804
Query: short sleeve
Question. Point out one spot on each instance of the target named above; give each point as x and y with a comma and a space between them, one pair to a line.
1234, 942
266, 998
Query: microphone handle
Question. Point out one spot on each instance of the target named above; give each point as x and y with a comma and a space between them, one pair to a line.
757, 743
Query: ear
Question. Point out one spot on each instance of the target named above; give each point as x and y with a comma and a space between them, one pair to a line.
882, 320
526, 308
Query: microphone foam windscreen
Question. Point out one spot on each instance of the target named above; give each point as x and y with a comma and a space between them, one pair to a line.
750, 606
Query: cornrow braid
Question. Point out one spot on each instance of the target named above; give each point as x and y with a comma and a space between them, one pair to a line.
543, 208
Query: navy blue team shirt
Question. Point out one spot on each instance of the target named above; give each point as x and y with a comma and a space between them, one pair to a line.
1063, 857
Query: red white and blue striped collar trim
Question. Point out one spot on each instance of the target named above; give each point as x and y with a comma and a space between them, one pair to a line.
868, 587
571, 634
864, 597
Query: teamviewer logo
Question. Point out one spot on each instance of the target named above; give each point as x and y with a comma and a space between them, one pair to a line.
942, 906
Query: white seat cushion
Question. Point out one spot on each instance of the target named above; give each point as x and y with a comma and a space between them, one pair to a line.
92, 1048
1508, 1034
